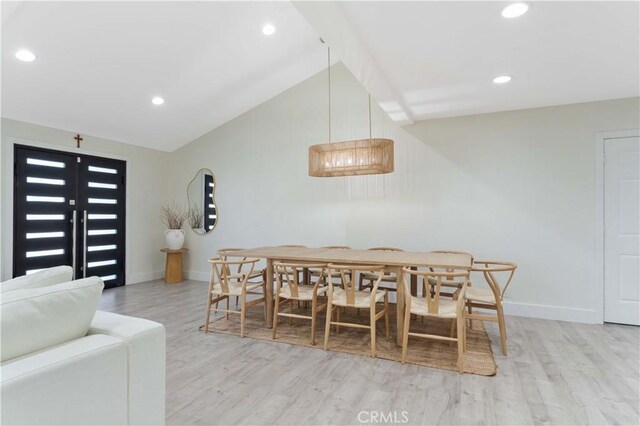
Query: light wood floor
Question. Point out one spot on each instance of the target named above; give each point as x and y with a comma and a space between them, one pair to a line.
556, 373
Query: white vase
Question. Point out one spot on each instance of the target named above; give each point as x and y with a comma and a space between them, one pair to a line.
175, 238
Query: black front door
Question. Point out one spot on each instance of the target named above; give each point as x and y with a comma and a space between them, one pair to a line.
69, 210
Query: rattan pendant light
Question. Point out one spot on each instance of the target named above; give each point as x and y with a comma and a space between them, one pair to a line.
350, 158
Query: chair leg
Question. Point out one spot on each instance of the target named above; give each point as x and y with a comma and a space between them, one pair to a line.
470, 310
386, 314
460, 337
503, 329
264, 295
424, 291
291, 311
243, 312
405, 333
337, 319
208, 315
327, 327
276, 308
464, 333
314, 304
453, 330
372, 327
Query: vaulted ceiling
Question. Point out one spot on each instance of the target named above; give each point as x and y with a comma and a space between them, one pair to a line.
99, 64
433, 59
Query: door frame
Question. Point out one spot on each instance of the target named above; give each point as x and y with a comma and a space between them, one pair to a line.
601, 139
8, 149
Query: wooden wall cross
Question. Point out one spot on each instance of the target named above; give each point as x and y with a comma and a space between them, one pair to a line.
78, 140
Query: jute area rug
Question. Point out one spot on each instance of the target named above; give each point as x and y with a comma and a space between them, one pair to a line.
428, 353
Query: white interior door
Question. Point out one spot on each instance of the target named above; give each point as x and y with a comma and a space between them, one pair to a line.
622, 230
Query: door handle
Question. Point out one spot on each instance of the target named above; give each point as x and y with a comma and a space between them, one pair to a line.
74, 238
84, 244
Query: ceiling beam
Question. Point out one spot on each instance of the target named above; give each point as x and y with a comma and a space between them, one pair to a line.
329, 21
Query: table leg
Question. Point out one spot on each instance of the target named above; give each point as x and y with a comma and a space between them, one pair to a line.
399, 305
173, 269
414, 282
268, 293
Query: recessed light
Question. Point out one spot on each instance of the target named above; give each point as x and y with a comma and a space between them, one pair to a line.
515, 9
268, 29
502, 79
25, 55
157, 100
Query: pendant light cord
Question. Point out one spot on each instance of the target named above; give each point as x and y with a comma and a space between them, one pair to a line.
370, 116
329, 86
329, 73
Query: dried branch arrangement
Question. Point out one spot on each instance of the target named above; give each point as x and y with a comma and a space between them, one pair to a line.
173, 216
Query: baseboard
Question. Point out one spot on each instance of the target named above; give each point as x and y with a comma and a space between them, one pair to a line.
559, 313
197, 275
144, 277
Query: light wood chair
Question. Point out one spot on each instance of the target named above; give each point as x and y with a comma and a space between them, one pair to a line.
388, 277
292, 246
293, 289
348, 296
491, 298
452, 285
315, 273
223, 285
228, 252
432, 305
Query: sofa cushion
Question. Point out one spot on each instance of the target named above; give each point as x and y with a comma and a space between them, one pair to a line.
44, 278
37, 318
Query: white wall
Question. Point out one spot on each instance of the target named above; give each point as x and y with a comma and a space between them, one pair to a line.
147, 181
516, 185
531, 174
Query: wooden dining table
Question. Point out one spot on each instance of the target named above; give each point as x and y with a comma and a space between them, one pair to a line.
393, 261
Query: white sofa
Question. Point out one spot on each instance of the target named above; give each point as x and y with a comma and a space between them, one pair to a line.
112, 373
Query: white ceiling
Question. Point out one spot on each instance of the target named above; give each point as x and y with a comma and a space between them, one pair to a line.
424, 60
99, 64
